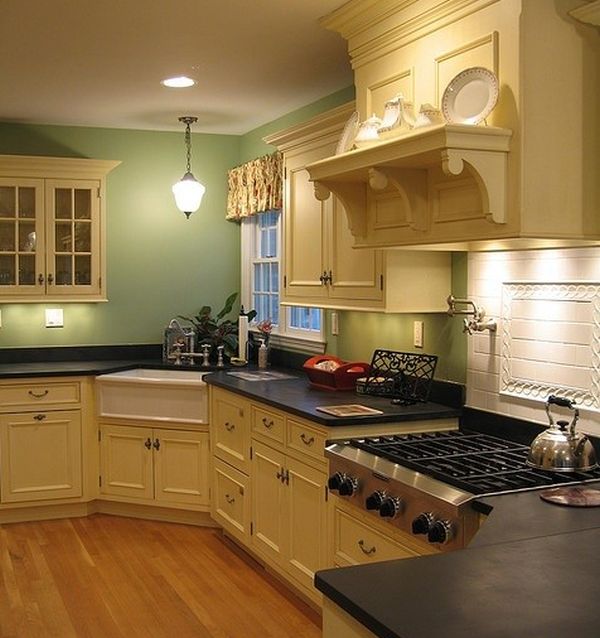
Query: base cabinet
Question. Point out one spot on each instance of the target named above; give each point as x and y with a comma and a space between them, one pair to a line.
40, 456
338, 624
230, 503
167, 467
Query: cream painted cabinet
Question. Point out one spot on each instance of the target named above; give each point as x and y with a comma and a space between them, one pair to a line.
45, 437
52, 228
523, 178
40, 455
164, 466
289, 500
321, 266
230, 452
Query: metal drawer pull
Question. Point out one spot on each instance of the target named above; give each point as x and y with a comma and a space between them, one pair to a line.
230, 427
268, 424
307, 440
35, 395
229, 499
281, 475
39, 417
156, 444
364, 550
148, 443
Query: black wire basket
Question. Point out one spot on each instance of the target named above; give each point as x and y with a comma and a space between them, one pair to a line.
403, 376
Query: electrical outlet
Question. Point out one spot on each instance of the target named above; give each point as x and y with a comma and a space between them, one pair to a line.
418, 334
335, 326
54, 318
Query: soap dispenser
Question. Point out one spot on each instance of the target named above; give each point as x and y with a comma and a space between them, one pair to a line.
262, 355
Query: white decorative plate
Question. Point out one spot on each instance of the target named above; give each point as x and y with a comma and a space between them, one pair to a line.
348, 134
470, 96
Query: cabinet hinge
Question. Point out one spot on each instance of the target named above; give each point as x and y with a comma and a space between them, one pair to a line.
285, 281
99, 435
380, 282
99, 282
251, 529
285, 172
326, 494
98, 194
250, 452
100, 481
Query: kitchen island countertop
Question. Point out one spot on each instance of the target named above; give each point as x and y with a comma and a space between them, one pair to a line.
530, 571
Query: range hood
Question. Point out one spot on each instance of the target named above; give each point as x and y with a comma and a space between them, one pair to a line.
526, 178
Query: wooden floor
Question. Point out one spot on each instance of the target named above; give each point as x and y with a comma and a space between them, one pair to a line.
106, 576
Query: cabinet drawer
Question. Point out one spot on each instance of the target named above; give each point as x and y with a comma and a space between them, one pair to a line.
231, 500
355, 542
34, 395
305, 439
230, 430
268, 424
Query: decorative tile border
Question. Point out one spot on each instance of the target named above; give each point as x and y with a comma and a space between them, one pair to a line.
510, 384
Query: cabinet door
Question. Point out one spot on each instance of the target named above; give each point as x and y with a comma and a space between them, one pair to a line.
126, 461
73, 237
304, 230
268, 494
230, 429
22, 269
180, 467
356, 274
306, 521
40, 456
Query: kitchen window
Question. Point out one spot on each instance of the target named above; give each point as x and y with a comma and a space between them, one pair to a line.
297, 327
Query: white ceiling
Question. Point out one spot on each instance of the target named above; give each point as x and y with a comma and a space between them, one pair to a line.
100, 62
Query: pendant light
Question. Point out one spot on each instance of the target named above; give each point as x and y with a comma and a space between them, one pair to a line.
188, 191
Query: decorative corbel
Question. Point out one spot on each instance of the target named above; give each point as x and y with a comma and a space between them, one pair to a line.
489, 169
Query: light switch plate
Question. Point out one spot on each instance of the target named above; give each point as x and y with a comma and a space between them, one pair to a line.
54, 318
418, 334
335, 326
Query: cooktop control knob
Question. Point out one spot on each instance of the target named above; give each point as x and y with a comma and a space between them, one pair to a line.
440, 532
348, 486
423, 523
391, 507
375, 500
335, 480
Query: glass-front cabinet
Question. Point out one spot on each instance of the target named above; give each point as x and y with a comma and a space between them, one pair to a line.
52, 229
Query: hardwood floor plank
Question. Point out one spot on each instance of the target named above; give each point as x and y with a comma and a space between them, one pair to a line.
112, 577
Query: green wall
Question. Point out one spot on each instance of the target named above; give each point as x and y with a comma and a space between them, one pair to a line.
159, 264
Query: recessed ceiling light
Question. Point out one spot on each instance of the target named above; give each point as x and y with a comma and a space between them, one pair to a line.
179, 82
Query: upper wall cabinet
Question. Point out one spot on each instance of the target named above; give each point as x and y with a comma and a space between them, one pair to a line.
527, 177
321, 267
52, 228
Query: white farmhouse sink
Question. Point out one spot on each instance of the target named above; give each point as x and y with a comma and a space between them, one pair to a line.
153, 395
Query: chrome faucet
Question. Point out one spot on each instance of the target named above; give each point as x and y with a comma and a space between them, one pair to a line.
475, 320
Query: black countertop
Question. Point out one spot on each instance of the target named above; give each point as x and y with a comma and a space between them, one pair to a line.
531, 571
297, 396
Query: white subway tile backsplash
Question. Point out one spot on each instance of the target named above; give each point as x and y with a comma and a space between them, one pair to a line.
548, 333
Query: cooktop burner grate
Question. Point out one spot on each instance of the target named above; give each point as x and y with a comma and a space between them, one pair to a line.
474, 462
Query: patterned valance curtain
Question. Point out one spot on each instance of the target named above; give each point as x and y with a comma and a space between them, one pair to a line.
255, 187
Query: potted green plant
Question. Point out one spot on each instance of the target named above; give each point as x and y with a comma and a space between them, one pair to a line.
218, 330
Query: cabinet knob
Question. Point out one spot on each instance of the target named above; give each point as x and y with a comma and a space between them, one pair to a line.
156, 444
41, 279
230, 499
268, 424
148, 443
230, 427
39, 417
50, 278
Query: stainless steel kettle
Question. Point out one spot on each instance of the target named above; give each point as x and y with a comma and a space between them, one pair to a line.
560, 448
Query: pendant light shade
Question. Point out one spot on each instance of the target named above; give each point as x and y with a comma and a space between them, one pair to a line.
188, 191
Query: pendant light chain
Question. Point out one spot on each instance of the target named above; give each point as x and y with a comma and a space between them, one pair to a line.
187, 120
